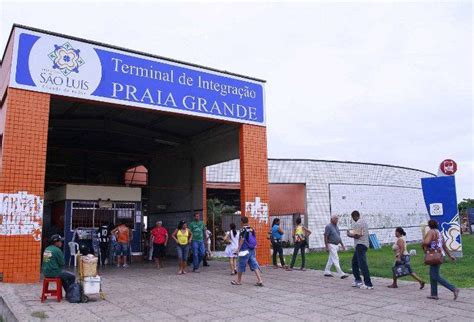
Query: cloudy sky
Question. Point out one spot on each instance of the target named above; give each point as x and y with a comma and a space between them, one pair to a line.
361, 81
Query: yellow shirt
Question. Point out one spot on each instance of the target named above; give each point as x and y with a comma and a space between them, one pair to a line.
299, 234
182, 237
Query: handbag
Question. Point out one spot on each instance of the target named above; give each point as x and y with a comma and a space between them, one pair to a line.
434, 256
400, 270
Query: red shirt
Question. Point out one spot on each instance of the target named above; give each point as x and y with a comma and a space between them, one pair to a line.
159, 235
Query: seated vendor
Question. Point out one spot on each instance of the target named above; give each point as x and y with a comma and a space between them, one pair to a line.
53, 262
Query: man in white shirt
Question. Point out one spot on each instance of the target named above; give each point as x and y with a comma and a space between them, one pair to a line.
360, 233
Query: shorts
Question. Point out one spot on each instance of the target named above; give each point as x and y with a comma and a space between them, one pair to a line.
121, 249
248, 259
182, 252
159, 250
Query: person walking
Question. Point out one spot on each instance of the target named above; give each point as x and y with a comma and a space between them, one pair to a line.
360, 233
198, 230
332, 239
246, 253
434, 240
207, 245
159, 236
276, 237
232, 240
53, 262
403, 258
183, 237
122, 234
104, 240
300, 235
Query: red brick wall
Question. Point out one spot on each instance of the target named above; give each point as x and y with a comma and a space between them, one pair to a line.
23, 169
254, 181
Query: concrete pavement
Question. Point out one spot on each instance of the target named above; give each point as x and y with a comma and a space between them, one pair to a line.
143, 293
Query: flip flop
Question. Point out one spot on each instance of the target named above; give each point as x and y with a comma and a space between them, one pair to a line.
235, 283
259, 284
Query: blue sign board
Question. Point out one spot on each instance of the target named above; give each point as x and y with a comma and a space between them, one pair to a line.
440, 199
67, 67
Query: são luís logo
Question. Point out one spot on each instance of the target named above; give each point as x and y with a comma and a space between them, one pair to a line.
66, 59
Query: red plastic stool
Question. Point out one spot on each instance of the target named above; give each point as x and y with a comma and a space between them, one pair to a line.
58, 292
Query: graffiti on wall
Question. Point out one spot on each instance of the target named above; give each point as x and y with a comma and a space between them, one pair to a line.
257, 210
21, 214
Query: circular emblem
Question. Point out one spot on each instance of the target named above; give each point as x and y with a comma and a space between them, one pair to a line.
448, 167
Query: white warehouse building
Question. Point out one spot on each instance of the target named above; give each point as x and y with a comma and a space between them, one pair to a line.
387, 196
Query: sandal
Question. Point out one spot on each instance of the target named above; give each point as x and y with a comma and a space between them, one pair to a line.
422, 285
259, 284
456, 293
235, 283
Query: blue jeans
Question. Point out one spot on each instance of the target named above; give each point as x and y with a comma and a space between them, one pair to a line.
435, 278
250, 259
198, 253
359, 263
67, 278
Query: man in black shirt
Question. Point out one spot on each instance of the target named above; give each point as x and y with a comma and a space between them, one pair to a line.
104, 238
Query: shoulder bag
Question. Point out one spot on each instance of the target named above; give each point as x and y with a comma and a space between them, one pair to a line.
434, 256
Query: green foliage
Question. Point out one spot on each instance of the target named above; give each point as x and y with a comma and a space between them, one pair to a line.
465, 204
215, 210
460, 273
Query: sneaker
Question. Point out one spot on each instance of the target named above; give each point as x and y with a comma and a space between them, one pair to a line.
365, 287
196, 270
357, 284
328, 275
125, 265
344, 276
118, 265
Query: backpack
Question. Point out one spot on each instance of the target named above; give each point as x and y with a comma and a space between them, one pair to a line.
73, 294
251, 239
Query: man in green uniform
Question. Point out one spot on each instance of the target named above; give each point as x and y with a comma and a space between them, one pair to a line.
197, 228
53, 262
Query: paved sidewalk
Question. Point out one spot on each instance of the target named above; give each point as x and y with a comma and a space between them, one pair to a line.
143, 293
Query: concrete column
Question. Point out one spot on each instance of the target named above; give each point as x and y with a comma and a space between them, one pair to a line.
254, 183
24, 120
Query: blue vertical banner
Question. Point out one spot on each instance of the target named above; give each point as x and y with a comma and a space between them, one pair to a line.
441, 202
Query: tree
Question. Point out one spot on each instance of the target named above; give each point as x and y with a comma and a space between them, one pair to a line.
215, 210
465, 204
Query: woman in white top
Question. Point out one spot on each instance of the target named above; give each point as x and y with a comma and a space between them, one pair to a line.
232, 240
403, 258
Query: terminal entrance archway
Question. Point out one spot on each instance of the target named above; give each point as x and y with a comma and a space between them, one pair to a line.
75, 112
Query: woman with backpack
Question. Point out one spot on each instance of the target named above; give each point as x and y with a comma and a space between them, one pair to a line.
434, 244
183, 237
300, 234
403, 258
232, 240
276, 236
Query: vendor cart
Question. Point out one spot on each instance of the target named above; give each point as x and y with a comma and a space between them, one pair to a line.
89, 280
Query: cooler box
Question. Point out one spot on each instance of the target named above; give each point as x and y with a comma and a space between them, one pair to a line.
91, 285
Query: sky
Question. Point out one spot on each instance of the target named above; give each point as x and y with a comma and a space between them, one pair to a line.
382, 82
